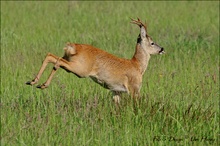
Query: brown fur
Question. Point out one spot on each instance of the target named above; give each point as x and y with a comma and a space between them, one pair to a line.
117, 74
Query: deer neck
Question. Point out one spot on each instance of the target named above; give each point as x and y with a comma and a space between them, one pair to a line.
141, 58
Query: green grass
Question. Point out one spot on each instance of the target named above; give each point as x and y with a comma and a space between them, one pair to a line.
180, 91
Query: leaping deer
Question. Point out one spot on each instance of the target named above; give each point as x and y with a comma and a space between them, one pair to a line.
113, 73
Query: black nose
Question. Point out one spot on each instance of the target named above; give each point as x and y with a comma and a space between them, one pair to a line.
162, 50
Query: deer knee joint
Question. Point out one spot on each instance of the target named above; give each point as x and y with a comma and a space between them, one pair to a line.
54, 68
57, 65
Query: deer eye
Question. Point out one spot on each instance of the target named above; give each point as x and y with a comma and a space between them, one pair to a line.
152, 44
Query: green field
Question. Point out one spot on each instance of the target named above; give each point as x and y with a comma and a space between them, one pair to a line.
179, 102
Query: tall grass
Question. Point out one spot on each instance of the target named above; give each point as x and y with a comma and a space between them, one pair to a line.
180, 91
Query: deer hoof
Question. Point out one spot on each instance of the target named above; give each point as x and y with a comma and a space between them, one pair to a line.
29, 83
43, 86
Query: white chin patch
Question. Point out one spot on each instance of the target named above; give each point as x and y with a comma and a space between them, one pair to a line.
161, 52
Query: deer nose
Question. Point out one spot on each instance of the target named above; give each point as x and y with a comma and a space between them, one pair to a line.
161, 51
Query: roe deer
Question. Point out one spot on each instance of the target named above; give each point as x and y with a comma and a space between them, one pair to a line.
116, 74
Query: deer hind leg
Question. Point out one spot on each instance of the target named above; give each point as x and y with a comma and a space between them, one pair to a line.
47, 83
50, 58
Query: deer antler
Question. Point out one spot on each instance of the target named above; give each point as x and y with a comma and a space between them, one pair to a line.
138, 22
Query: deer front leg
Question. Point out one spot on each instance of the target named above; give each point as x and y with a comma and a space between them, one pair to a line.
135, 93
116, 97
49, 58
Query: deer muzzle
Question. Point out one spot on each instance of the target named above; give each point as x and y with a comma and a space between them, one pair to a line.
162, 51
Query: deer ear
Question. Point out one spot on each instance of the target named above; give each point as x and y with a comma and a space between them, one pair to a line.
143, 32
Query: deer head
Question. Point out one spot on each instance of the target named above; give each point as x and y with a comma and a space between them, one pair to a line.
146, 41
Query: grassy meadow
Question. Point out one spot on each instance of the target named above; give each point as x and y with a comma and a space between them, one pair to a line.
180, 92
